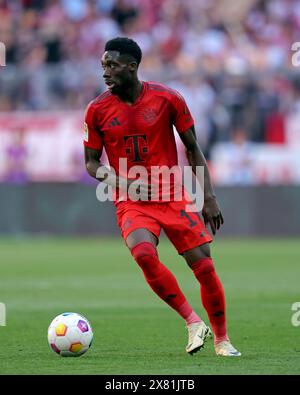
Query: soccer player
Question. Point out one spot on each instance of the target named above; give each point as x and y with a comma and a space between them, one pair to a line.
134, 119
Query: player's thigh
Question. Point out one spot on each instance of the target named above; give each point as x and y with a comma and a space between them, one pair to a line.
138, 225
195, 254
186, 231
141, 235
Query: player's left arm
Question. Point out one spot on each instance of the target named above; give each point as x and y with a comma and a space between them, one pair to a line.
211, 210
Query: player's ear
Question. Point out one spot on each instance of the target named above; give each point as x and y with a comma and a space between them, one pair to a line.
133, 65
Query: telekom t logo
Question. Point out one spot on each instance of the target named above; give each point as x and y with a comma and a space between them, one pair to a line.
2, 314
134, 146
2, 54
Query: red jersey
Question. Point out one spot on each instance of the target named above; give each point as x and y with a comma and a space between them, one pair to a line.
141, 132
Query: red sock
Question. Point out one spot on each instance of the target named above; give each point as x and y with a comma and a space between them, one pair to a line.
213, 298
162, 281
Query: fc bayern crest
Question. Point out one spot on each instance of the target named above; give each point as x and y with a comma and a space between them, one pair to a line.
149, 115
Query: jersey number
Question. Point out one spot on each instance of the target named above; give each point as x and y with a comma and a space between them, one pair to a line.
192, 223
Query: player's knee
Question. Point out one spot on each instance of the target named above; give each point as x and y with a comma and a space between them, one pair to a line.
203, 267
144, 250
145, 254
196, 254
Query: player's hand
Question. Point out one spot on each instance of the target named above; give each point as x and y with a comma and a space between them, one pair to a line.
212, 214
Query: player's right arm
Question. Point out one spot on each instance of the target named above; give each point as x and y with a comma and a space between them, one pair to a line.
93, 147
92, 160
99, 171
93, 142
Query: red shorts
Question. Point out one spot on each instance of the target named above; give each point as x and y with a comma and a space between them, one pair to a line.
184, 229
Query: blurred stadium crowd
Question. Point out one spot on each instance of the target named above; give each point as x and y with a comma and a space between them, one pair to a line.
230, 60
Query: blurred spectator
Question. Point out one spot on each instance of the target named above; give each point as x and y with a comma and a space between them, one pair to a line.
240, 158
124, 12
275, 132
232, 62
16, 155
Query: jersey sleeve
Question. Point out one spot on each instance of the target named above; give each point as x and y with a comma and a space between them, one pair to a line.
92, 138
183, 119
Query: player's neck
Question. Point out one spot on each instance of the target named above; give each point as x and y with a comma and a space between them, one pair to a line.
132, 93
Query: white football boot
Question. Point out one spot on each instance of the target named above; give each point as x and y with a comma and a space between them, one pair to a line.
198, 333
226, 349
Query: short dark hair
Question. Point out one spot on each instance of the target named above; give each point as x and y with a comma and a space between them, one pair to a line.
126, 46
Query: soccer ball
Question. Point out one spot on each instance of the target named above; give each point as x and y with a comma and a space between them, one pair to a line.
70, 335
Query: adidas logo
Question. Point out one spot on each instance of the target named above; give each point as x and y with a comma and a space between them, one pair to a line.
114, 122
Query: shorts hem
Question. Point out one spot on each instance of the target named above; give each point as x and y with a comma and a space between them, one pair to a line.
156, 234
198, 244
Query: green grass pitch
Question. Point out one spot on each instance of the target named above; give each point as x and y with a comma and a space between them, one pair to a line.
134, 331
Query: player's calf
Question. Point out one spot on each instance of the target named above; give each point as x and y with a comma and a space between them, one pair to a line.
212, 295
162, 281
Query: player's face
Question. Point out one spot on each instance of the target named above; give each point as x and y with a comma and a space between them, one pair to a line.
117, 72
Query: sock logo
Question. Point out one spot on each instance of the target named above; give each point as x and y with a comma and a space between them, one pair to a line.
218, 313
171, 296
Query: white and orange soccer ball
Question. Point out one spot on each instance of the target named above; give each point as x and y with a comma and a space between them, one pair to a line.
70, 335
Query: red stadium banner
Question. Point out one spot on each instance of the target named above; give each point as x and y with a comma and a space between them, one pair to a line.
41, 147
